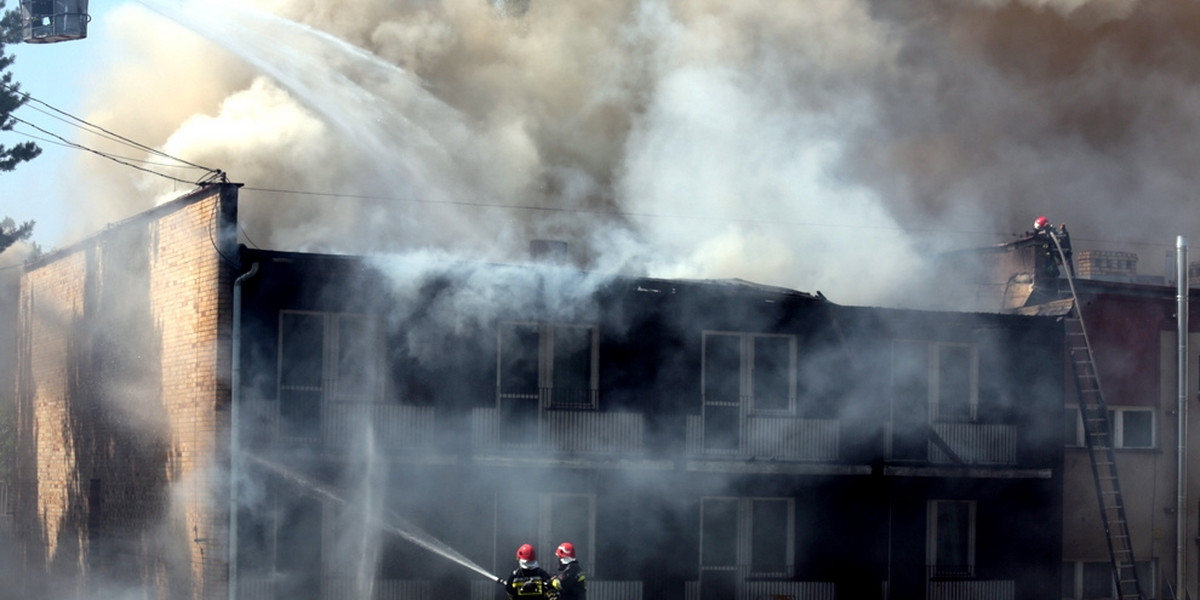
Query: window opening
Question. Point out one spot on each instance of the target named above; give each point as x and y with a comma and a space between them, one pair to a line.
951, 538
744, 374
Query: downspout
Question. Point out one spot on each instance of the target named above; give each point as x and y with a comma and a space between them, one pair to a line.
235, 392
1181, 334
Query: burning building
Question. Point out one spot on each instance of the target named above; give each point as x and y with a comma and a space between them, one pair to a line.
202, 419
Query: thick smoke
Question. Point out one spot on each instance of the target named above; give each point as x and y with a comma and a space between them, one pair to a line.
830, 146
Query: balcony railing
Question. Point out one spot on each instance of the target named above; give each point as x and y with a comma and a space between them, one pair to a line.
976, 443
563, 430
597, 589
343, 589
784, 438
553, 397
769, 590
1004, 589
395, 426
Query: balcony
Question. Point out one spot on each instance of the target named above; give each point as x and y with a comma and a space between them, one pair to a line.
340, 424
777, 438
1004, 589
341, 589
770, 590
955, 443
560, 430
975, 443
597, 590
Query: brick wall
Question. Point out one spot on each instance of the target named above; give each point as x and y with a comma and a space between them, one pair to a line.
1098, 263
122, 405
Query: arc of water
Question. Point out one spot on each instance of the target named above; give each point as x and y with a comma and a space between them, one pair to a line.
392, 523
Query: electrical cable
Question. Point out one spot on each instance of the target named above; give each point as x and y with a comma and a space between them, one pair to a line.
109, 156
45, 140
93, 128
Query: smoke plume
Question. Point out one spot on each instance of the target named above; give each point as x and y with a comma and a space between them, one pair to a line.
829, 146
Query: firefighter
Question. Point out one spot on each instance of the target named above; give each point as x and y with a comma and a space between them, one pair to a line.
529, 581
569, 582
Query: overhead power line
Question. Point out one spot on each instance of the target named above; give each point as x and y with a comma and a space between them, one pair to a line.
209, 175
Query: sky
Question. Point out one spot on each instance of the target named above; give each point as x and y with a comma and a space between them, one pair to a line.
833, 148
60, 75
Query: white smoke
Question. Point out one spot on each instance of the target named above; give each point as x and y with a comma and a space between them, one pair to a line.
828, 146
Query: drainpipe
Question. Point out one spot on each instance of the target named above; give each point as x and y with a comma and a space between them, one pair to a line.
235, 402
1181, 320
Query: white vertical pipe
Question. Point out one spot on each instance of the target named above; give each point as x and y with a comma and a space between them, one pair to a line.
1181, 334
235, 403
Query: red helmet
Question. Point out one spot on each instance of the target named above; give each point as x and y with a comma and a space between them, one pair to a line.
1041, 223
526, 552
565, 550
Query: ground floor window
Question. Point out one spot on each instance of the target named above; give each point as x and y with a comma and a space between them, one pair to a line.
743, 537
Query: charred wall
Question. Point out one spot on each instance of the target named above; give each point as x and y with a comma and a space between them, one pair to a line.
861, 517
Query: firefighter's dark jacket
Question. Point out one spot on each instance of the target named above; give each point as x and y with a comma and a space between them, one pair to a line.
570, 582
527, 584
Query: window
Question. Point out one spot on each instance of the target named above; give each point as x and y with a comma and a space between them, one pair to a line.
747, 535
547, 365
744, 373
950, 539
1132, 427
753, 366
326, 358
942, 374
770, 534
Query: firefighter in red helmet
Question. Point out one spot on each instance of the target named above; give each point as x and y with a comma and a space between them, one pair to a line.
529, 581
569, 582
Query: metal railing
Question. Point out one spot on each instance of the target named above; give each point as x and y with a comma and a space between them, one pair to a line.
1001, 589
597, 590
343, 589
554, 397
567, 431
395, 426
972, 443
784, 438
769, 590
976, 443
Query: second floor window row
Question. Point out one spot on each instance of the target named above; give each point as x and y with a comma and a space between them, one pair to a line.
339, 357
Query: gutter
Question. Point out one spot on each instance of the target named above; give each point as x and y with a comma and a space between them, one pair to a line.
235, 387
1181, 335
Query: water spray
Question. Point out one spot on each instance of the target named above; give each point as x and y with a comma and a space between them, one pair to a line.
393, 523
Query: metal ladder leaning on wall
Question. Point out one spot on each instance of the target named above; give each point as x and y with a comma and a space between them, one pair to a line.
1097, 433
